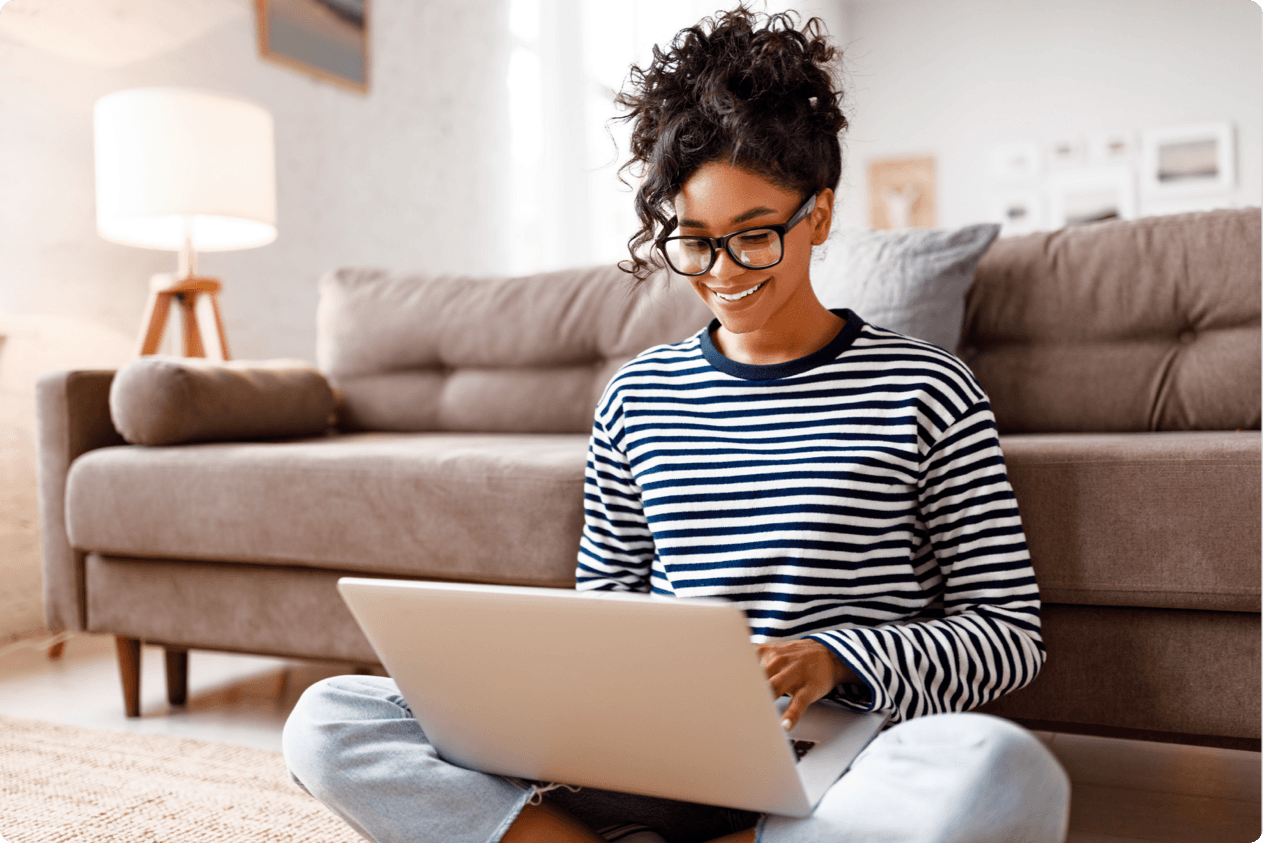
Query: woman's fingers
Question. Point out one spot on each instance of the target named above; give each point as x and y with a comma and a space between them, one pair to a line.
797, 705
802, 669
803, 688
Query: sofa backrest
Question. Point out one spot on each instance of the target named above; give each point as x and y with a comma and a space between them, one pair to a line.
1151, 324
411, 352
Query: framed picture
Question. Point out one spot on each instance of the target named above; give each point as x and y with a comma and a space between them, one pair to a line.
901, 193
1018, 213
326, 39
1189, 160
1011, 162
1067, 152
1117, 147
1088, 195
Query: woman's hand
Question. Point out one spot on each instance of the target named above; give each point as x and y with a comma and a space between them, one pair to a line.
805, 669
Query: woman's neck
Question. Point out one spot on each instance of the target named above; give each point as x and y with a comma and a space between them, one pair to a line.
796, 330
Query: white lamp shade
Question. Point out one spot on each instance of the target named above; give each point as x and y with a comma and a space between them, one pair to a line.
174, 160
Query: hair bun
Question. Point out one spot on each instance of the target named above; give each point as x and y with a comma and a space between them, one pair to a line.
741, 86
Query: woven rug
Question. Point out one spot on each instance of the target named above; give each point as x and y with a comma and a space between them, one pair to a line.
64, 784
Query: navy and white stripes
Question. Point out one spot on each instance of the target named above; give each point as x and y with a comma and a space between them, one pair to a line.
857, 496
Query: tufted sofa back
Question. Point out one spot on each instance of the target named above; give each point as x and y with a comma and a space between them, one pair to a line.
412, 352
1150, 324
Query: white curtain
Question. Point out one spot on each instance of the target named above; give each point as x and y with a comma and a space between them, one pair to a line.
569, 59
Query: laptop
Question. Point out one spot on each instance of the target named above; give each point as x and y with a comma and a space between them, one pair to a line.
628, 692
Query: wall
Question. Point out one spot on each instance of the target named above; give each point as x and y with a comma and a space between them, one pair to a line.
952, 77
408, 176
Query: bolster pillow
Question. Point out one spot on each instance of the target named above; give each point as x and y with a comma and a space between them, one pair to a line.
157, 400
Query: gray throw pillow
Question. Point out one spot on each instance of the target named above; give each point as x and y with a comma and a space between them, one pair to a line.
912, 281
158, 400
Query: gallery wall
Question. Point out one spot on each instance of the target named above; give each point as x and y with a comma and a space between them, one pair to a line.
953, 78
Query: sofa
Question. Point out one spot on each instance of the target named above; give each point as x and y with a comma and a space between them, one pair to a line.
1122, 360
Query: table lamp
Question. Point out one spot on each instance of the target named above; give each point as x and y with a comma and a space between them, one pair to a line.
189, 171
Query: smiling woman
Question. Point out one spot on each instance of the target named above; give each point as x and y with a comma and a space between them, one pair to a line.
759, 291
840, 483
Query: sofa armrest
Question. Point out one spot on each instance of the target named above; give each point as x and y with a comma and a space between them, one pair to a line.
72, 418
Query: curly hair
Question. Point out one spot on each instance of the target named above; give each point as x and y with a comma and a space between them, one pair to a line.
749, 89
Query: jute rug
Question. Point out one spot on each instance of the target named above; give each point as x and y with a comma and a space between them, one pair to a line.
64, 784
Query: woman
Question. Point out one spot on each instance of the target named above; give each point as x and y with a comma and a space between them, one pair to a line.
840, 482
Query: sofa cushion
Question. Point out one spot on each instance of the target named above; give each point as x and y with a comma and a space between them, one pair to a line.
413, 352
1161, 520
911, 280
1166, 520
158, 400
1150, 324
488, 508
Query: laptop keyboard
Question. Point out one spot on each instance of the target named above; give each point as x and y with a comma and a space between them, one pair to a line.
801, 748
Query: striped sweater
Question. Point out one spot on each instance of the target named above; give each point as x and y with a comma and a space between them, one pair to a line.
856, 496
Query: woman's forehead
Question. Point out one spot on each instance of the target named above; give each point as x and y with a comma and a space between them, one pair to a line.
721, 195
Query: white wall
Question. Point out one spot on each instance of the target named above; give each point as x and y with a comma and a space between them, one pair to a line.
409, 176
949, 78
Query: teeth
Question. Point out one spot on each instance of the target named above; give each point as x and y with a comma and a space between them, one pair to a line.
741, 295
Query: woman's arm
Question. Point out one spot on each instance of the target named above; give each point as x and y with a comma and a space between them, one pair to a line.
616, 550
987, 642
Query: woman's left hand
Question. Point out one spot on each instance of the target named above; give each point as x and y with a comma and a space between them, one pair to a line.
803, 668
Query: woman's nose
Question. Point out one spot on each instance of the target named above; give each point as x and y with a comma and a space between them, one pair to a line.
725, 266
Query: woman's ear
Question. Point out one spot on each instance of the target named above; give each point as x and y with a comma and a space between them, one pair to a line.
821, 217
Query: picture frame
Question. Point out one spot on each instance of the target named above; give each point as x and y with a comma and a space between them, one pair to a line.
325, 39
1018, 212
1067, 152
1189, 160
901, 193
1108, 148
1091, 194
1015, 162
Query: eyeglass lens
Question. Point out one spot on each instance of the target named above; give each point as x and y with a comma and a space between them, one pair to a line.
753, 249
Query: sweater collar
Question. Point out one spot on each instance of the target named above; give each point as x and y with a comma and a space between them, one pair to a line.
749, 371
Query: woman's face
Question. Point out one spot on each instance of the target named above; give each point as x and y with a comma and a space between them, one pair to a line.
720, 199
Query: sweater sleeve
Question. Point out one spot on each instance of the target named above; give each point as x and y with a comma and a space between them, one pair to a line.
985, 639
616, 550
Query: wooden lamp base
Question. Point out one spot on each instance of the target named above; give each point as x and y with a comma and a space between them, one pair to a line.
185, 292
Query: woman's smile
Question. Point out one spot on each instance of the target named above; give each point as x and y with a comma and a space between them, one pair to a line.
732, 297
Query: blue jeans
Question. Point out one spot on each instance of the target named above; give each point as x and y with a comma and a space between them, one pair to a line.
352, 742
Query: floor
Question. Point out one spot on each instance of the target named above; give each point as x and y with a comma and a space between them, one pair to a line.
1123, 791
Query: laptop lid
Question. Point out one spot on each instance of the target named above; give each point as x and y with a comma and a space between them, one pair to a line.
626, 692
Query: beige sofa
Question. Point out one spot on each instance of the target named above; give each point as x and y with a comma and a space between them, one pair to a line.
1122, 360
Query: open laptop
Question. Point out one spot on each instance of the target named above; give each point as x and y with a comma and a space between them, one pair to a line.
627, 692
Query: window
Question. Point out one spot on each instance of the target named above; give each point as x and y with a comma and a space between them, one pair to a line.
569, 59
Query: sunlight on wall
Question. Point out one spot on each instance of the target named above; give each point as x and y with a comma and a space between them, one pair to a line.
29, 347
569, 60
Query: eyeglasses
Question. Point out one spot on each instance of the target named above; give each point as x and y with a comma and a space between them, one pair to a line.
752, 248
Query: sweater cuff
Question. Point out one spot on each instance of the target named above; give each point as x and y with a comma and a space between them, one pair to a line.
865, 695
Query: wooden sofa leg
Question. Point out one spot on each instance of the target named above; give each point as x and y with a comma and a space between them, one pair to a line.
177, 675
129, 672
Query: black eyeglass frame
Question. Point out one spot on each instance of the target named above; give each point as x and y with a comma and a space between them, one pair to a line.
717, 243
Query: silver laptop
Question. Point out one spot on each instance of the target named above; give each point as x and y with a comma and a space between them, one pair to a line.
626, 692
